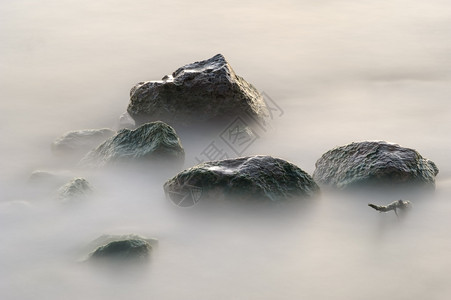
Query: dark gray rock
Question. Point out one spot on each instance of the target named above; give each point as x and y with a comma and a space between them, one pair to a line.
118, 248
108, 238
77, 188
374, 163
79, 142
204, 91
259, 178
153, 142
123, 250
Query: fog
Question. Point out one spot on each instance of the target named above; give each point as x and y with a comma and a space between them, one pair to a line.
339, 71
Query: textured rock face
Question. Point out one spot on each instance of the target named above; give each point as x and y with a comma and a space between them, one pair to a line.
154, 141
203, 91
77, 188
80, 141
372, 164
260, 178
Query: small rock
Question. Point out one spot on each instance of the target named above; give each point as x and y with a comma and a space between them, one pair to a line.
48, 179
121, 248
77, 188
374, 163
260, 178
152, 142
200, 92
79, 142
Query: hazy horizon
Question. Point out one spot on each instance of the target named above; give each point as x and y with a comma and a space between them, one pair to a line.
340, 71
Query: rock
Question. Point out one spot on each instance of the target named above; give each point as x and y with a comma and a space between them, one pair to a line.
79, 142
153, 142
260, 178
394, 206
374, 163
108, 238
77, 188
122, 248
48, 179
205, 91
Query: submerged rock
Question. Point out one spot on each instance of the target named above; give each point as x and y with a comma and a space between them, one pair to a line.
260, 178
121, 248
47, 179
80, 141
77, 188
204, 91
374, 163
155, 142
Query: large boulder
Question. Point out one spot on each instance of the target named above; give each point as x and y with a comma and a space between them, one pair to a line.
374, 163
204, 91
153, 142
256, 178
79, 142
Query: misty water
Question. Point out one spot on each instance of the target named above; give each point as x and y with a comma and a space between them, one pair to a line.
339, 71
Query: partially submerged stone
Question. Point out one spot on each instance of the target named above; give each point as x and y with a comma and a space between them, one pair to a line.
125, 249
204, 91
79, 142
48, 179
374, 163
77, 188
121, 248
258, 178
153, 142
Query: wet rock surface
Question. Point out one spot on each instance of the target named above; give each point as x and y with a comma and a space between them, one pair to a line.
79, 142
153, 142
259, 178
374, 163
204, 91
